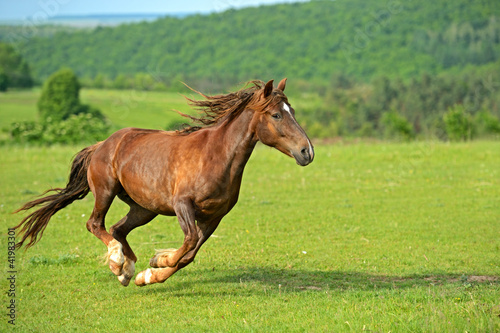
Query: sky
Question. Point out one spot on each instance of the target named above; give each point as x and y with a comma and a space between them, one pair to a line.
36, 10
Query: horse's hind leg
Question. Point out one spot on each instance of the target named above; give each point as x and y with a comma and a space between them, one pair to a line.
105, 187
136, 217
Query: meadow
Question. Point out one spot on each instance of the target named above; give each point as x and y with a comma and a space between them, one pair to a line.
372, 236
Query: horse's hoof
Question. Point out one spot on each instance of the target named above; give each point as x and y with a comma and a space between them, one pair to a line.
127, 272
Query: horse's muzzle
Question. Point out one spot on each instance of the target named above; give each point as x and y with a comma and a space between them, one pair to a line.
305, 156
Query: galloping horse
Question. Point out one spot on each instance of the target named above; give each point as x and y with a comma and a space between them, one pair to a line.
194, 173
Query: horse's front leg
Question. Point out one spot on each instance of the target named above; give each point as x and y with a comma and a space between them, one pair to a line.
160, 274
185, 212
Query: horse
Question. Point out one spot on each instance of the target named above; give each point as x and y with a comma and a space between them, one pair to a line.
193, 173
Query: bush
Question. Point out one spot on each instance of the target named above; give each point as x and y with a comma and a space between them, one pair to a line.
322, 131
77, 128
396, 127
26, 131
61, 98
458, 124
486, 123
63, 118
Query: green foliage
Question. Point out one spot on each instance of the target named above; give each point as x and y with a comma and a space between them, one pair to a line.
63, 118
420, 102
461, 43
14, 71
4, 81
486, 124
83, 127
60, 97
396, 126
458, 124
361, 59
310, 40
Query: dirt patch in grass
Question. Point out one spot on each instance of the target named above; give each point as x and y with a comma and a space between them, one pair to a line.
483, 278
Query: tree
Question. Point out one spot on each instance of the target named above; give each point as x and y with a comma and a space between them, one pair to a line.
14, 71
4, 81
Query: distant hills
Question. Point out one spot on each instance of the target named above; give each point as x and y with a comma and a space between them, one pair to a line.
312, 41
94, 20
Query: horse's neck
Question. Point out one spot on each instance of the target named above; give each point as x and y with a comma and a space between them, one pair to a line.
239, 141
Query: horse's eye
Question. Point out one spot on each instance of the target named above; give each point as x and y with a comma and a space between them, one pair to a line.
276, 116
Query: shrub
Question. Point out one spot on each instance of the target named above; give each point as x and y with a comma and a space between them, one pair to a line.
458, 124
486, 123
63, 118
396, 126
60, 96
77, 128
26, 131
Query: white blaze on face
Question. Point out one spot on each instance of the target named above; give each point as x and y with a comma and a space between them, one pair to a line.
287, 108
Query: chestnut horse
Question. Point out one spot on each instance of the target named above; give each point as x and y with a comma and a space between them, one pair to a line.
194, 173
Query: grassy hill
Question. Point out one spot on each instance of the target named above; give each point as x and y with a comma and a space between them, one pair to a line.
312, 41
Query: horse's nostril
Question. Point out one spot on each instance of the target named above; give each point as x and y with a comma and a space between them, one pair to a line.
305, 152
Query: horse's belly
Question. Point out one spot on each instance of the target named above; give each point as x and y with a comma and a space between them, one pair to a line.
152, 199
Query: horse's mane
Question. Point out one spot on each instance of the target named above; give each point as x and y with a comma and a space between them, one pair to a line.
218, 108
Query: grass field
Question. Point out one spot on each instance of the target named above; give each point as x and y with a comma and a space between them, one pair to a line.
124, 108
370, 237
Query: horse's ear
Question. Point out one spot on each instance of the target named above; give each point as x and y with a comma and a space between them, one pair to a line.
268, 89
282, 84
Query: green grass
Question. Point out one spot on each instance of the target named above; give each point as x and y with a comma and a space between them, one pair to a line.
133, 108
18, 105
125, 108
375, 237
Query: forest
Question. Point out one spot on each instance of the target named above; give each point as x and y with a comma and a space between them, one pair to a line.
381, 68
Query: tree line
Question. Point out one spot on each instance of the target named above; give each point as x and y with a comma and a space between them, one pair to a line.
310, 41
446, 106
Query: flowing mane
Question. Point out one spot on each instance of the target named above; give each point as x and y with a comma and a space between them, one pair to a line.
218, 108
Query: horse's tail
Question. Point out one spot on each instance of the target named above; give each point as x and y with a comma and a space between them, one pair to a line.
77, 188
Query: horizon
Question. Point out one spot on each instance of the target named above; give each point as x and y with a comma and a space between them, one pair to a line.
44, 10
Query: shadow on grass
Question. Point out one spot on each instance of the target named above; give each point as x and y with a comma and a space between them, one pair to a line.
252, 279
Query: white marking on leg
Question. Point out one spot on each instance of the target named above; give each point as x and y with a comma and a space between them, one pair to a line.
115, 253
147, 276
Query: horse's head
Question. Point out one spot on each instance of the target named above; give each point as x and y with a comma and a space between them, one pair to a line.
276, 125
